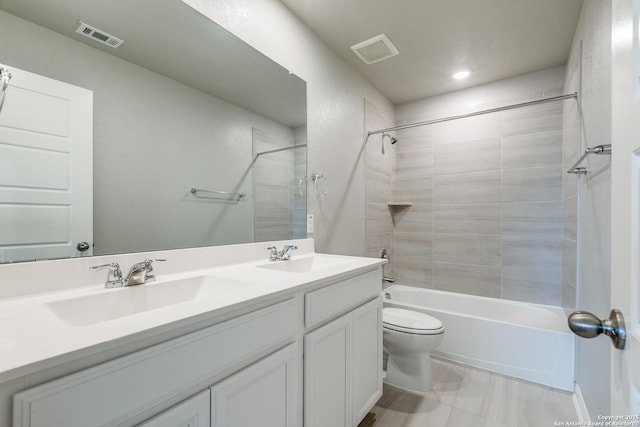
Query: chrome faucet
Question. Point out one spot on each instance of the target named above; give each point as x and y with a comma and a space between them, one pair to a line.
283, 255
139, 273
273, 253
114, 277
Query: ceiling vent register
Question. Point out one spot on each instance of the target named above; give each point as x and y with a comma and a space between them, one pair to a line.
375, 49
98, 35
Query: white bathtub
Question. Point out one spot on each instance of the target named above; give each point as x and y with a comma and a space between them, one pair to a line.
522, 340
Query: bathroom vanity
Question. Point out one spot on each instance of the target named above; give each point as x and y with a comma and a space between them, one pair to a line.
242, 342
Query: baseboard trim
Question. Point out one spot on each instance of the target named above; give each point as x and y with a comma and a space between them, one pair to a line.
581, 407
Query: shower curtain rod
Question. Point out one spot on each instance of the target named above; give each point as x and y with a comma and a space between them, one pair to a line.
291, 147
477, 113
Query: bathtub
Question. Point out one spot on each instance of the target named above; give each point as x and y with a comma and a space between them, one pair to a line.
522, 340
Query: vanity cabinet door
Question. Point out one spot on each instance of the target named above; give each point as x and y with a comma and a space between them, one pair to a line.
265, 394
327, 373
367, 358
193, 412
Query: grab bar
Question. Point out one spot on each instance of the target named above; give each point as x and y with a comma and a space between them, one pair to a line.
598, 149
194, 191
5, 76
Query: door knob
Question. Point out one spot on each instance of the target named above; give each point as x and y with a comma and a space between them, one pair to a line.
83, 246
587, 325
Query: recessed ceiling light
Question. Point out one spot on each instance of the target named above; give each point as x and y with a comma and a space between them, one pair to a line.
461, 74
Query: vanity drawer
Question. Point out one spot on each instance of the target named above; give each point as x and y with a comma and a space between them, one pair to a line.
126, 387
328, 302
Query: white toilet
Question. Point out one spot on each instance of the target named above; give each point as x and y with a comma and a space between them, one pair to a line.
409, 337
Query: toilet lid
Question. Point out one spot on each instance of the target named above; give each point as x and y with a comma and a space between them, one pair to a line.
410, 321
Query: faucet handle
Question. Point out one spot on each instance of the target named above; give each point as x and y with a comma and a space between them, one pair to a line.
114, 277
149, 274
273, 253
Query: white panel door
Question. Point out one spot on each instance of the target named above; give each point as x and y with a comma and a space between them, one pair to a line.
264, 394
625, 213
193, 412
367, 358
327, 374
46, 168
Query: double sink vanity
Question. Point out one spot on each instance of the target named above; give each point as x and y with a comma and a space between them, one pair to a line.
222, 337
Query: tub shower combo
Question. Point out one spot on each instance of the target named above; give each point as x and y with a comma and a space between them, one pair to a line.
522, 339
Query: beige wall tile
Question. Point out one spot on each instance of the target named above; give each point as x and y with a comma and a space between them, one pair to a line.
532, 184
419, 276
475, 128
472, 156
420, 139
416, 218
468, 279
419, 135
468, 249
532, 218
272, 196
467, 218
416, 190
378, 218
414, 259
534, 119
522, 251
419, 245
379, 188
570, 218
414, 164
480, 187
545, 275
569, 263
529, 150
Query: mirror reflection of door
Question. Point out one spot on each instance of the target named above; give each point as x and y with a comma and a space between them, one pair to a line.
46, 168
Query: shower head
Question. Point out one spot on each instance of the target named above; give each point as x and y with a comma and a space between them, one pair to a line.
391, 138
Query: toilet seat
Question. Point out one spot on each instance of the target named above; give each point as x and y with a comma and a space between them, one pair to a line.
410, 322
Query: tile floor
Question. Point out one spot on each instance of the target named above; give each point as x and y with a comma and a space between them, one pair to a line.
465, 396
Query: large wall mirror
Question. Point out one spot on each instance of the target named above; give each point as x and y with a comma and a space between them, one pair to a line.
181, 104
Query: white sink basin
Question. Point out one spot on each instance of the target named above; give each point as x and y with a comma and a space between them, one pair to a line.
306, 265
120, 302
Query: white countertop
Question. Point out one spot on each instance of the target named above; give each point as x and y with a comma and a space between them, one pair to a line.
33, 337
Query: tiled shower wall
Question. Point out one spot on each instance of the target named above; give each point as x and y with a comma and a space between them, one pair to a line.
279, 207
572, 142
380, 161
487, 205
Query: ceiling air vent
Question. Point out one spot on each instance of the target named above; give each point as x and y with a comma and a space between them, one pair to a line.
98, 35
375, 49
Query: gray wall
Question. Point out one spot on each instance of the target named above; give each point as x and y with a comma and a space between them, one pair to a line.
486, 192
588, 198
154, 138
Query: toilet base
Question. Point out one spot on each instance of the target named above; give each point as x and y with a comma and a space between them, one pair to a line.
411, 372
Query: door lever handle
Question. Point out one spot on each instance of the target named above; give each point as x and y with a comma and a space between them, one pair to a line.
587, 325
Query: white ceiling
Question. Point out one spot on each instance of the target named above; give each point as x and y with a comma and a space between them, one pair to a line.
496, 39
